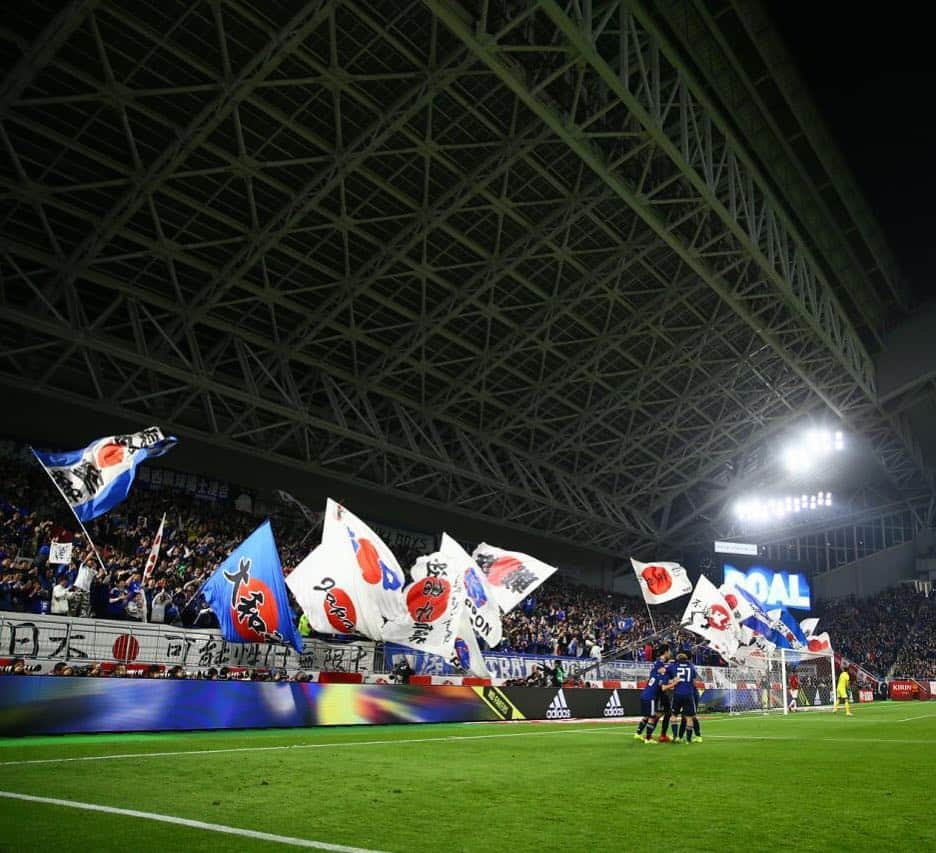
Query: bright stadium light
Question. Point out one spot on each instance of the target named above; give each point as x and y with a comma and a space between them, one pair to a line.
762, 510
811, 446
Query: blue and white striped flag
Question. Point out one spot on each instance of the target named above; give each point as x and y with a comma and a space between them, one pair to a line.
98, 477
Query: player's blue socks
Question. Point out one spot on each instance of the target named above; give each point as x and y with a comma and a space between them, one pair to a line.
640, 726
650, 728
665, 728
697, 728
682, 729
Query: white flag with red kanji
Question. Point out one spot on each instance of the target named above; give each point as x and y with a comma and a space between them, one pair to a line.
709, 615
661, 582
434, 605
511, 575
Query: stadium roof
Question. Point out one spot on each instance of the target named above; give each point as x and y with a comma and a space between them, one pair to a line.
569, 266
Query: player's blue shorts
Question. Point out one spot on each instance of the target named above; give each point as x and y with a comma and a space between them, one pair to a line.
648, 707
685, 705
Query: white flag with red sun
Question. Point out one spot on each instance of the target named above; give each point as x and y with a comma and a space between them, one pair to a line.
710, 616
434, 602
325, 586
378, 578
661, 582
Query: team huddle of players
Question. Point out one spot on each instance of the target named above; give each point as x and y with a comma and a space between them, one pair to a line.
670, 692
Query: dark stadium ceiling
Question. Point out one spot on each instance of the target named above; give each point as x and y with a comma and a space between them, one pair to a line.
570, 266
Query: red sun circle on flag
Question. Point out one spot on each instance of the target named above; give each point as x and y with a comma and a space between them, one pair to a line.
658, 579
717, 617
254, 590
339, 610
815, 645
428, 599
502, 567
732, 600
110, 454
369, 561
126, 648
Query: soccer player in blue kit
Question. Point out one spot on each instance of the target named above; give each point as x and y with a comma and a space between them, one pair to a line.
650, 698
682, 678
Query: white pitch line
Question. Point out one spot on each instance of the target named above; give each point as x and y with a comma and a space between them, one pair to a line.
916, 741
339, 744
921, 717
194, 824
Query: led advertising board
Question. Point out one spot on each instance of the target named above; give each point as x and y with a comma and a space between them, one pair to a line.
774, 588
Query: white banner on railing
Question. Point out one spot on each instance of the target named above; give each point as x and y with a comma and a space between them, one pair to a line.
60, 553
49, 639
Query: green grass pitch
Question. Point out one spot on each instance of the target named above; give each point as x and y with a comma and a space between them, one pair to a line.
808, 782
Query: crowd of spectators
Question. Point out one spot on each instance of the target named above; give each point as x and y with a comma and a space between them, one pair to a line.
564, 620
895, 627
198, 535
879, 631
917, 658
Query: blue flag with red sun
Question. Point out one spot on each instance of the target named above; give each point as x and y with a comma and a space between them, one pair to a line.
247, 592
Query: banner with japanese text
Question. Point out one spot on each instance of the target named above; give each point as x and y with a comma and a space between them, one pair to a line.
45, 640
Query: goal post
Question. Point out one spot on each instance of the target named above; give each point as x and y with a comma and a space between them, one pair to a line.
753, 687
763, 684
815, 679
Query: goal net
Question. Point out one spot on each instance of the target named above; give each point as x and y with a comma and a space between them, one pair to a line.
785, 681
813, 674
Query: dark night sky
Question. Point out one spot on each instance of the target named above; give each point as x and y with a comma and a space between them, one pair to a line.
872, 72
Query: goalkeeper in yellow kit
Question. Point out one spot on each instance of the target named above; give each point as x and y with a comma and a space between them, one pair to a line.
841, 693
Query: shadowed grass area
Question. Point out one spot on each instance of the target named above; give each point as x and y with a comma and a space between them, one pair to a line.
812, 781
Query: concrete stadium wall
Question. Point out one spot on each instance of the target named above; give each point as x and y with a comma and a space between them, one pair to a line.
868, 576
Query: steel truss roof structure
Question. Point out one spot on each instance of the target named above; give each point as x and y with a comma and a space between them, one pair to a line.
513, 258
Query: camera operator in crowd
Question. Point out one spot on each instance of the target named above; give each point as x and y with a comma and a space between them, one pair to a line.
402, 671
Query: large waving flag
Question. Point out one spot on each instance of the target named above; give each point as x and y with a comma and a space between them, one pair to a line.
760, 622
482, 611
785, 623
248, 595
380, 573
467, 652
96, 478
661, 582
326, 585
709, 615
434, 602
511, 575
740, 609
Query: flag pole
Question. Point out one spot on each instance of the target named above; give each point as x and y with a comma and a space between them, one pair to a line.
650, 614
68, 504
